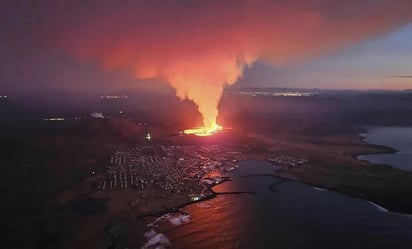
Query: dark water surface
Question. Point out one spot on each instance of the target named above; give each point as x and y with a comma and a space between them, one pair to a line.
399, 138
284, 214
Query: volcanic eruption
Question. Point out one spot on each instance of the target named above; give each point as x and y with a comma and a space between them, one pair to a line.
199, 47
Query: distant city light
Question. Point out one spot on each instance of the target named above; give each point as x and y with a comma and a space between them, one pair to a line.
114, 97
96, 115
148, 137
280, 94
55, 119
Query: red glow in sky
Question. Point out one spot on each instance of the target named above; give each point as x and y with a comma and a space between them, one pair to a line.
198, 47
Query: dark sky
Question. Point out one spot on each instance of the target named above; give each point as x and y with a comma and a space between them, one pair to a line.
94, 45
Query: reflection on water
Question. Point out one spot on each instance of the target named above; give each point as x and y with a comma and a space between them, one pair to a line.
214, 226
399, 138
288, 215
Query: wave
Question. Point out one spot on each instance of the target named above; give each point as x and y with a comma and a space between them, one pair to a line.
159, 240
150, 234
380, 208
179, 219
175, 219
203, 205
319, 189
155, 240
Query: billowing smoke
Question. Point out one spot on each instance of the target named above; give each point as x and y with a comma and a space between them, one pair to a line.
199, 47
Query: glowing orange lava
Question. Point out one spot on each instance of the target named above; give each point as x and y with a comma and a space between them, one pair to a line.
204, 131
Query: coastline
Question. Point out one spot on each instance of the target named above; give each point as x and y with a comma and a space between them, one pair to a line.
381, 201
282, 177
315, 174
380, 150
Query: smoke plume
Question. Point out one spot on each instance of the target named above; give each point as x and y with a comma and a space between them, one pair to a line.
199, 47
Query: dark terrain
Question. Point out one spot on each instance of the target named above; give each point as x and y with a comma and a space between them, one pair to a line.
41, 158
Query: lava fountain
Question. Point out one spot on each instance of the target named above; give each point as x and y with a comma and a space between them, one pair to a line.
202, 80
202, 47
204, 131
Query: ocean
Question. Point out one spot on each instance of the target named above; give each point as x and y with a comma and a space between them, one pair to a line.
398, 138
268, 212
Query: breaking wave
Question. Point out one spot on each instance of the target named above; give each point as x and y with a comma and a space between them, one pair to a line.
155, 240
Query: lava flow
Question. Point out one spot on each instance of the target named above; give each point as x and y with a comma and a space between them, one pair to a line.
204, 131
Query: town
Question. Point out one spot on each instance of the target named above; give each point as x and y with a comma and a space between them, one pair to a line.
173, 169
177, 169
